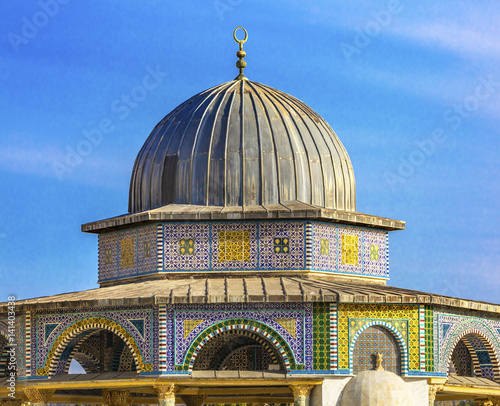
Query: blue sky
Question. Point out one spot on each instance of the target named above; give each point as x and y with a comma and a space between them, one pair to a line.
411, 88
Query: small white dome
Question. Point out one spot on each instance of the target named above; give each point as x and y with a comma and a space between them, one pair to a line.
376, 388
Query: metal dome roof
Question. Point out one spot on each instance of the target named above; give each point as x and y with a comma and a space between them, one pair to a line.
242, 144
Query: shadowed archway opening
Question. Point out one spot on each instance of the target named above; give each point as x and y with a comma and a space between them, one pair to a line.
238, 350
473, 356
97, 350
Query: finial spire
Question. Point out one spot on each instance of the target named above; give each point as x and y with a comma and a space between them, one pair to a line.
379, 357
241, 64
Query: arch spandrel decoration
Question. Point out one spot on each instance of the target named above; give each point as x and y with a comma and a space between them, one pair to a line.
292, 321
243, 325
92, 323
50, 327
403, 318
449, 329
396, 334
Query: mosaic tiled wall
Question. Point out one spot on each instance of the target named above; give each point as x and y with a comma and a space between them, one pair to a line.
291, 322
49, 329
402, 320
481, 333
321, 334
277, 245
429, 339
108, 256
187, 246
127, 253
350, 250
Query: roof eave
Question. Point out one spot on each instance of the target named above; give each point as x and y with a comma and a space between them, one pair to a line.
290, 211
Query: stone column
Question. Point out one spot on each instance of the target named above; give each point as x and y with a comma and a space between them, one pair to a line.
38, 397
166, 394
117, 397
301, 394
193, 400
433, 390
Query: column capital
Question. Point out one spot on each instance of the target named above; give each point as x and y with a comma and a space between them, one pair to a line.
301, 390
166, 391
117, 397
36, 395
433, 390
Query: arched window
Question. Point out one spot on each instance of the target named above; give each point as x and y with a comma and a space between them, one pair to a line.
372, 340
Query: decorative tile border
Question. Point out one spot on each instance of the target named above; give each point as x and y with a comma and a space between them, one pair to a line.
247, 245
333, 337
27, 342
421, 314
429, 339
162, 337
321, 335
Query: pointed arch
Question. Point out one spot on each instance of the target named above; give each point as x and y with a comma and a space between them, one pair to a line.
252, 326
479, 360
396, 334
82, 326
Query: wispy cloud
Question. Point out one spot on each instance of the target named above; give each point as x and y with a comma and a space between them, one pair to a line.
29, 160
450, 36
38, 160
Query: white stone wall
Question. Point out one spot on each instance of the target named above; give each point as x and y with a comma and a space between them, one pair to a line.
420, 390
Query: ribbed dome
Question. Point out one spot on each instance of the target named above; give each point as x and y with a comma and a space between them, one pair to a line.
242, 144
376, 388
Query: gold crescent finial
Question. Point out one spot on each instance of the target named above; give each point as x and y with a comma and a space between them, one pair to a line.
240, 64
240, 41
